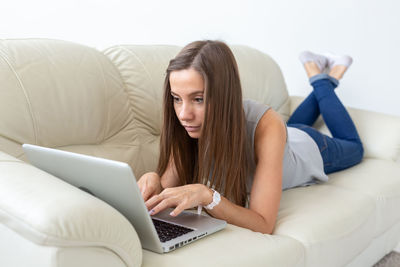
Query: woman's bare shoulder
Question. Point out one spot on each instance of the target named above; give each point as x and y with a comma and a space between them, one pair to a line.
270, 121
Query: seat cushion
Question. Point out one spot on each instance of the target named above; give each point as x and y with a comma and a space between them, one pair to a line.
329, 221
379, 179
233, 246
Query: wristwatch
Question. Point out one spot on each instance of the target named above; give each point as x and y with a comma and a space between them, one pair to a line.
216, 200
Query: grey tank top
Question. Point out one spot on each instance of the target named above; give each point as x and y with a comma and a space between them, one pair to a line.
302, 162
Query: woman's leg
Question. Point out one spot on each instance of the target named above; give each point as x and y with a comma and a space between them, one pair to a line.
323, 99
308, 111
332, 110
344, 148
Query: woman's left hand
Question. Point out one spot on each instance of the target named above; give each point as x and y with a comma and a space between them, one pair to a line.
181, 197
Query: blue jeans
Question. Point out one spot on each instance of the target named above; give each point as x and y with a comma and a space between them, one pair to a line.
344, 149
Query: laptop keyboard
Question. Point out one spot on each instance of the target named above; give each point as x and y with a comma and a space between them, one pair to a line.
167, 231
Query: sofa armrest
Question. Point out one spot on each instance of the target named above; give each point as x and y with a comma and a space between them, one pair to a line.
50, 212
380, 133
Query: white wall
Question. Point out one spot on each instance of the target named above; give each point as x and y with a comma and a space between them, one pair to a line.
366, 29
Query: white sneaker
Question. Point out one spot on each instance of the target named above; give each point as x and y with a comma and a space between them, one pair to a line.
320, 60
334, 60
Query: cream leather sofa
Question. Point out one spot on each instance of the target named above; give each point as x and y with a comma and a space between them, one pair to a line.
108, 104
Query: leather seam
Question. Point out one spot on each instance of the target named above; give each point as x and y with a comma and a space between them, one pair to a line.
34, 123
106, 108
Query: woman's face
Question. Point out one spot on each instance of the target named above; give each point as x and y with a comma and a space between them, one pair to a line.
187, 90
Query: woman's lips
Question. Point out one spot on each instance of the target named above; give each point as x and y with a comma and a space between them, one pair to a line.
192, 128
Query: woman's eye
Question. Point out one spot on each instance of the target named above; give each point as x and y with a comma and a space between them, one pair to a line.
198, 99
176, 99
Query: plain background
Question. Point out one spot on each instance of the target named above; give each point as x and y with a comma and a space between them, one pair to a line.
368, 30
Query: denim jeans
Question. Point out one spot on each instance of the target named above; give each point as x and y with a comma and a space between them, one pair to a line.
344, 149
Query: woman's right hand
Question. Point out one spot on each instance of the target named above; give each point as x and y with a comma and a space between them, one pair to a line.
150, 185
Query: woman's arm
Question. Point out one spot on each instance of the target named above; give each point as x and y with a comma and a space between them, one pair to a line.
265, 195
151, 183
270, 139
170, 177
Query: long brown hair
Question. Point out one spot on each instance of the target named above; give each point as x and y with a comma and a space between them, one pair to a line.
219, 155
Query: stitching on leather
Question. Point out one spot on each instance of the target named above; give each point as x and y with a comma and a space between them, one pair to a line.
131, 100
137, 58
105, 53
34, 123
13, 161
62, 250
9, 139
140, 62
105, 99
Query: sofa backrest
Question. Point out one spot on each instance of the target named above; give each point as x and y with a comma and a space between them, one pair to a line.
69, 96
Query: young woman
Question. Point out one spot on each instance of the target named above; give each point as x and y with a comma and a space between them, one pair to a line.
212, 141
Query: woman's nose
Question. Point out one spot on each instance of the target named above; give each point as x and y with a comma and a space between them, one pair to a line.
185, 113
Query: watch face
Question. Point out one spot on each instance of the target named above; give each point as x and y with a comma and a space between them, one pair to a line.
216, 200
216, 197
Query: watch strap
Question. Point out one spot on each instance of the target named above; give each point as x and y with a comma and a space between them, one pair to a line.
216, 200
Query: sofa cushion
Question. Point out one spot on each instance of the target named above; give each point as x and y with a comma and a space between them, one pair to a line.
56, 93
233, 246
49, 212
142, 68
262, 79
326, 218
379, 179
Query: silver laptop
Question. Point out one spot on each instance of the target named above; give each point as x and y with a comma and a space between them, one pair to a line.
115, 183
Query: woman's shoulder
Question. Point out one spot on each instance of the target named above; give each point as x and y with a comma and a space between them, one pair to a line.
270, 121
254, 110
261, 120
